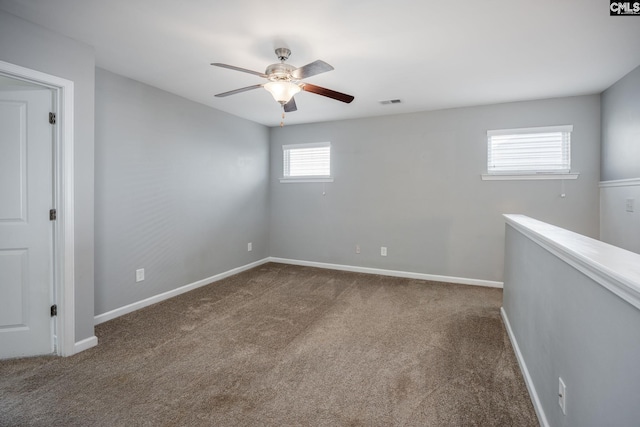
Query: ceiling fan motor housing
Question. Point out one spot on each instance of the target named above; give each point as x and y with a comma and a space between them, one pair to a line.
279, 72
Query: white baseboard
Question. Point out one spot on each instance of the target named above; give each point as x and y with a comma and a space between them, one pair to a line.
85, 344
535, 399
393, 273
109, 315
100, 318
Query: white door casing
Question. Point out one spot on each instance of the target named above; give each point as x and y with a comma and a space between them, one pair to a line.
26, 232
63, 196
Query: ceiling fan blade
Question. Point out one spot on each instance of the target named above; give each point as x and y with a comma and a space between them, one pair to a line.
327, 92
233, 92
290, 106
311, 69
244, 70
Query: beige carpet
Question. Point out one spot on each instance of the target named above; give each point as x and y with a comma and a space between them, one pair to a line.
283, 345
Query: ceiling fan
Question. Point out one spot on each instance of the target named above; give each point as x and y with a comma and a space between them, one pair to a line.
285, 80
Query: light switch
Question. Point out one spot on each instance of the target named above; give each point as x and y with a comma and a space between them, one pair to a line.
630, 203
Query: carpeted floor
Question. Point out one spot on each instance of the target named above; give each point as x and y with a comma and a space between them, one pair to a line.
282, 345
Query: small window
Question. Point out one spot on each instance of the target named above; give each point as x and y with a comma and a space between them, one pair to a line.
306, 162
529, 151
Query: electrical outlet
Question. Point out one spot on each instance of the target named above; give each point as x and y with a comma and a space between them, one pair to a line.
139, 275
357, 249
630, 203
562, 396
383, 251
249, 247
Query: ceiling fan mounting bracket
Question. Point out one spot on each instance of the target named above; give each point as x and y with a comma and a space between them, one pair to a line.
283, 53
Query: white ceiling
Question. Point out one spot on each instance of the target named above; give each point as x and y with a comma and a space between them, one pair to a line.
430, 54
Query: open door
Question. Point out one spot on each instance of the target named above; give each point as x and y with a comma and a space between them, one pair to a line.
26, 230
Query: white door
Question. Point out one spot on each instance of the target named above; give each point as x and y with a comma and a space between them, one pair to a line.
26, 232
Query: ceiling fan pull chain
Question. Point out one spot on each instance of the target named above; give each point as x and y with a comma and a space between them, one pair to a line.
282, 121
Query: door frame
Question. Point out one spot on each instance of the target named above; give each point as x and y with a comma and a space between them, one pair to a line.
63, 183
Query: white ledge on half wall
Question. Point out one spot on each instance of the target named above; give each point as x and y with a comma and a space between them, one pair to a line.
615, 268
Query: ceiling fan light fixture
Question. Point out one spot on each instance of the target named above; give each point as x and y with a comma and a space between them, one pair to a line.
282, 92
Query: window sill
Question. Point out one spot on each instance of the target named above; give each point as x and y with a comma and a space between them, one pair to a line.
526, 177
295, 180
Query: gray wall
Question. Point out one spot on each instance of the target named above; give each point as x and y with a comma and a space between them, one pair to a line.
567, 325
412, 183
618, 226
31, 46
621, 129
621, 161
180, 190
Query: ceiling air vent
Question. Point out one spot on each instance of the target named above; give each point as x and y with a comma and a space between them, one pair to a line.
390, 101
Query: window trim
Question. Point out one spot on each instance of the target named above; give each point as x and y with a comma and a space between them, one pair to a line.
296, 180
528, 174
308, 178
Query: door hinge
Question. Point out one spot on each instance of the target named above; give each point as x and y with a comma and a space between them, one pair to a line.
52, 118
53, 215
54, 310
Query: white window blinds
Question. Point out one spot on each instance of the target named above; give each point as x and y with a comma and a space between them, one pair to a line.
307, 160
529, 150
